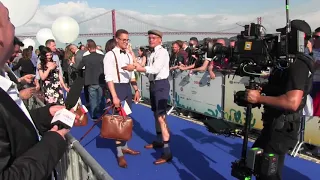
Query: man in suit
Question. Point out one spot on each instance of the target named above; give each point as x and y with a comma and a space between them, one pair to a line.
94, 79
23, 155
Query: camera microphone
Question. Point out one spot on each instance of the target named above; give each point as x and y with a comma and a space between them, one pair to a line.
64, 118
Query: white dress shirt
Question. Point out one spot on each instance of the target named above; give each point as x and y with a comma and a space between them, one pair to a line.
110, 70
158, 64
10, 87
88, 52
97, 51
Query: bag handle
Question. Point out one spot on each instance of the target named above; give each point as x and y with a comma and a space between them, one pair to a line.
117, 67
100, 119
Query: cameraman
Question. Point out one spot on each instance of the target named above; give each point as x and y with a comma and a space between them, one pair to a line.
201, 63
285, 95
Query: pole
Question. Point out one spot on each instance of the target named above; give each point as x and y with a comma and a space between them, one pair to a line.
114, 24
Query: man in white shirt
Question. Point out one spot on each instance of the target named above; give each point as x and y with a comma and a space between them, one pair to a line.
118, 81
158, 73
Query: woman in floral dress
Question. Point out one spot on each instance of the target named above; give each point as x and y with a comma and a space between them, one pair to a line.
51, 76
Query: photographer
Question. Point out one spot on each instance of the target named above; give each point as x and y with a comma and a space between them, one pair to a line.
200, 62
284, 99
176, 57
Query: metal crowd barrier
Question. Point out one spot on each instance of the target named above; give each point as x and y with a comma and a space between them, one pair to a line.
76, 163
214, 98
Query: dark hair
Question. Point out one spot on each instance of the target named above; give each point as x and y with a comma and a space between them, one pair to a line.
121, 31
49, 41
26, 54
43, 56
194, 39
110, 44
30, 48
177, 43
144, 51
17, 41
92, 44
81, 46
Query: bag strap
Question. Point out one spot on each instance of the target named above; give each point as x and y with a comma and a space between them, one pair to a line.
115, 58
100, 118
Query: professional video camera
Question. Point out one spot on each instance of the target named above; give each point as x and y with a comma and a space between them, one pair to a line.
255, 52
199, 50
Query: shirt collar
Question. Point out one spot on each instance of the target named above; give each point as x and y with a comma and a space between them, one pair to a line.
5, 82
157, 47
116, 49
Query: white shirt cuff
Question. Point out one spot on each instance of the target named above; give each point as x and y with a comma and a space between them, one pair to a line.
108, 79
148, 68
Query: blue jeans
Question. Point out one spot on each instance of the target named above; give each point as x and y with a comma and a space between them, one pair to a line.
96, 100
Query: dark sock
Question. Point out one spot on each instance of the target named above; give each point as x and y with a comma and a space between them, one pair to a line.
166, 148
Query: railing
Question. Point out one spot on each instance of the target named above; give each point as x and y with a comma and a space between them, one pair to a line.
214, 98
76, 163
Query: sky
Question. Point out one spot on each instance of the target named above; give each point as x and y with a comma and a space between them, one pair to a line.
179, 15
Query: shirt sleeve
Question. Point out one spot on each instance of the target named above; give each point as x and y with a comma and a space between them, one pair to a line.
161, 59
133, 75
37, 70
109, 66
59, 66
206, 57
297, 76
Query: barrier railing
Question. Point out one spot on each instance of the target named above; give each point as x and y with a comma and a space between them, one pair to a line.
214, 98
76, 163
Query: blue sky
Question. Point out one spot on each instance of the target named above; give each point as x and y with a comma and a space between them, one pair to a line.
184, 15
190, 7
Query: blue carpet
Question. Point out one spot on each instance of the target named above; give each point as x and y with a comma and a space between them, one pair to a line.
198, 154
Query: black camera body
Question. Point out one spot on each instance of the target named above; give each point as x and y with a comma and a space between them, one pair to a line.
255, 52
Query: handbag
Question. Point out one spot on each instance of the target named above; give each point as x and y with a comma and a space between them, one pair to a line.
83, 117
116, 127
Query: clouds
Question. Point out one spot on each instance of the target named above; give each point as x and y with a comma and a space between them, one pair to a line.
137, 22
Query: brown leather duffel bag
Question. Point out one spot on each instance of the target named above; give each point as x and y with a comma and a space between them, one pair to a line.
116, 127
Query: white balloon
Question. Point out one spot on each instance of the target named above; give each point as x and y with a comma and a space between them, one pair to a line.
43, 35
21, 11
65, 29
28, 42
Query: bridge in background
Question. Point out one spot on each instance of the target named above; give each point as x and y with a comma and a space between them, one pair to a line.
140, 27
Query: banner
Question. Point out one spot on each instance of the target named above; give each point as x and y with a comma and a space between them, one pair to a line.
170, 102
145, 87
198, 93
312, 130
233, 112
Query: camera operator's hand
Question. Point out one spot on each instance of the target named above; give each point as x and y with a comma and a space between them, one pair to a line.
253, 96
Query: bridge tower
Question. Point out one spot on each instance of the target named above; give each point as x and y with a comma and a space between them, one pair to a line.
114, 24
259, 20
